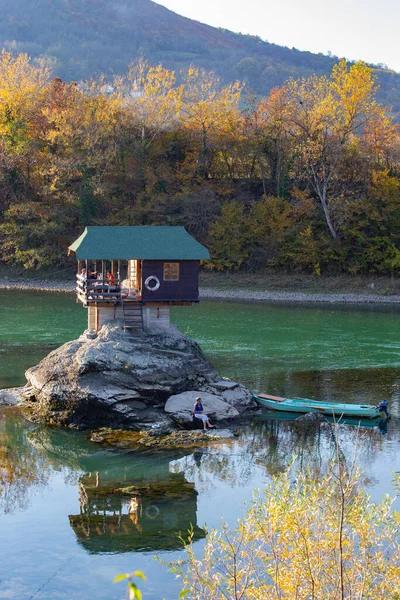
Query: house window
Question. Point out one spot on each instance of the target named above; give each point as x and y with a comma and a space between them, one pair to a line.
171, 271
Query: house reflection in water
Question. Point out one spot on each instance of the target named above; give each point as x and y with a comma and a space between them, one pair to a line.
143, 515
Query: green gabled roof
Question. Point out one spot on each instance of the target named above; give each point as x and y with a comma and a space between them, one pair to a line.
142, 242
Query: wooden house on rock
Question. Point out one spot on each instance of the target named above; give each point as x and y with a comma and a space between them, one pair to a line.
136, 273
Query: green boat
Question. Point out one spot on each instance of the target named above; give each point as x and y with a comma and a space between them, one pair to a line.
303, 405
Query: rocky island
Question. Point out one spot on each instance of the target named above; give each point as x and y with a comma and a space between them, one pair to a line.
140, 380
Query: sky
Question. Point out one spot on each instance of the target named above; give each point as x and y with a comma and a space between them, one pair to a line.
366, 30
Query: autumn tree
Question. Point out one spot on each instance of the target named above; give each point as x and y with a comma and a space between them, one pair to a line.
22, 86
255, 123
150, 102
324, 116
82, 141
229, 237
270, 223
303, 538
267, 138
262, 187
150, 97
207, 108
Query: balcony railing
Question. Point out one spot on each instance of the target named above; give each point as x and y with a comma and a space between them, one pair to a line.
98, 290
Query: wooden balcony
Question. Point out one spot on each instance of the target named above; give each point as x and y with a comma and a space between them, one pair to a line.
98, 290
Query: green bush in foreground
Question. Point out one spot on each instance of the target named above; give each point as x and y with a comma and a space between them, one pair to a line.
303, 538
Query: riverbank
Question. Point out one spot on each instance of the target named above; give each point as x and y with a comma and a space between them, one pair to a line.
254, 289
241, 286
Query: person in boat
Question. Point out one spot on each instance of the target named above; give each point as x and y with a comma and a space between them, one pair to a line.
198, 413
383, 408
84, 273
110, 278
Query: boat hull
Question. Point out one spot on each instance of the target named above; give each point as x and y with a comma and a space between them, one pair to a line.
302, 405
277, 415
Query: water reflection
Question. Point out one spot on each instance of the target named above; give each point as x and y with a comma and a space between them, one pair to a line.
22, 469
127, 501
271, 443
144, 515
129, 506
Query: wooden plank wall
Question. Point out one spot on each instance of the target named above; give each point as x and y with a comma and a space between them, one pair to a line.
92, 317
157, 316
187, 288
108, 313
98, 315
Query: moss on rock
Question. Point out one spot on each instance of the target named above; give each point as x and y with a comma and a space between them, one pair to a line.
141, 440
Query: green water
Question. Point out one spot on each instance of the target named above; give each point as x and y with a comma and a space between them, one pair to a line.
73, 515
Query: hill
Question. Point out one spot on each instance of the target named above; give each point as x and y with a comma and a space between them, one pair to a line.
80, 38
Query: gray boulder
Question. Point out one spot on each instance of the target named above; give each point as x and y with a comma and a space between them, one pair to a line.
233, 393
180, 407
119, 376
224, 384
11, 396
240, 397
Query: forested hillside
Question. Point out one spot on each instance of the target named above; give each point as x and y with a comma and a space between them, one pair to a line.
307, 179
81, 38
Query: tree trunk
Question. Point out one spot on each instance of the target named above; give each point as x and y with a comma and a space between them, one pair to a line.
204, 151
325, 208
322, 195
262, 172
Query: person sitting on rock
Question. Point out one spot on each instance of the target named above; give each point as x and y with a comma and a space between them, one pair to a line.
199, 414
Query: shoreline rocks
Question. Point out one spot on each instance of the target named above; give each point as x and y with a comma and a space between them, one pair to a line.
143, 440
126, 378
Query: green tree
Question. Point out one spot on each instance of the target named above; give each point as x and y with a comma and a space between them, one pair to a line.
229, 237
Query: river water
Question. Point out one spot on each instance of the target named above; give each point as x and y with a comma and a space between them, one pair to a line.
73, 515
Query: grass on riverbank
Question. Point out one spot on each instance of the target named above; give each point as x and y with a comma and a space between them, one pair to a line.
26, 275
309, 284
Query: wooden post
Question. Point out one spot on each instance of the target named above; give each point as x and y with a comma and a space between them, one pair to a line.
139, 276
79, 267
102, 269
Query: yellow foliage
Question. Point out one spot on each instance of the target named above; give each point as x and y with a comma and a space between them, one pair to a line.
324, 116
21, 89
302, 538
150, 97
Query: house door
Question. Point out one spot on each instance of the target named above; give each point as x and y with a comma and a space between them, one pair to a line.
134, 275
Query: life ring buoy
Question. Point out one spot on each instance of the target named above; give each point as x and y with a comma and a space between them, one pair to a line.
152, 511
148, 282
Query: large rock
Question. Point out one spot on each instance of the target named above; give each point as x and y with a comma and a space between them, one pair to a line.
117, 377
180, 407
233, 393
11, 396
